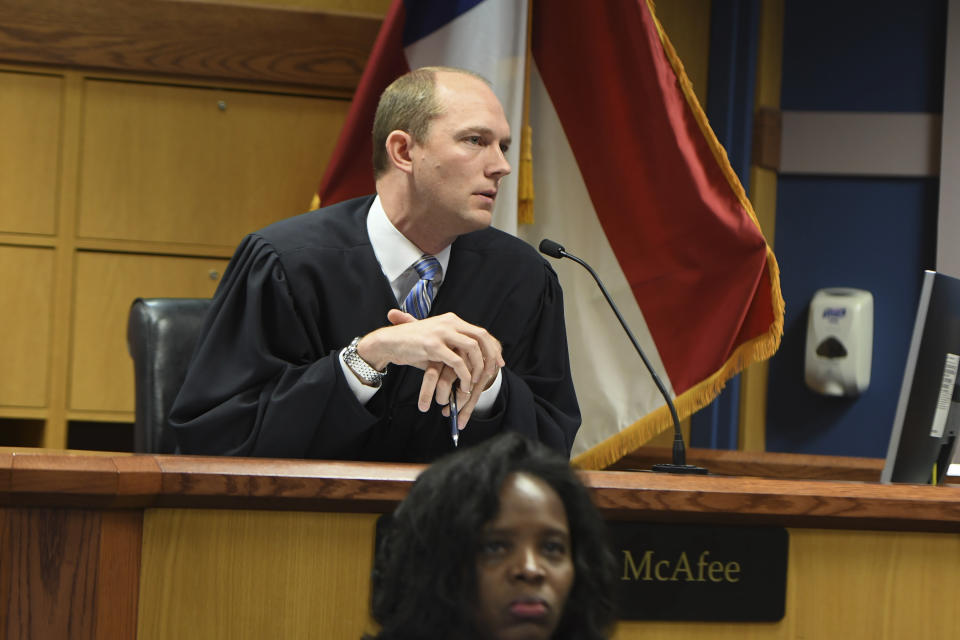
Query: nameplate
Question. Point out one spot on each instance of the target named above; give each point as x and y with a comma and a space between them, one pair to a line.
700, 572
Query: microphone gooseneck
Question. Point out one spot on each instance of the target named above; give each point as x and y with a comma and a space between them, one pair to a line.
679, 465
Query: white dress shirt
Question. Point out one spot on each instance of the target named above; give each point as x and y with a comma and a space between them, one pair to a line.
396, 255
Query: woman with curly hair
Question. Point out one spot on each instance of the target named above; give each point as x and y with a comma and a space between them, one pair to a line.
496, 542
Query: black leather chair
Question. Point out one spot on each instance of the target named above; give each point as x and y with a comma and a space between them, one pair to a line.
161, 335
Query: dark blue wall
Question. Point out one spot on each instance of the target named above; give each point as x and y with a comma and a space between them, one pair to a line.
871, 233
863, 55
866, 233
734, 34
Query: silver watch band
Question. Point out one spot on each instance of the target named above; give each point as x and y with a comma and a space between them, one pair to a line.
360, 367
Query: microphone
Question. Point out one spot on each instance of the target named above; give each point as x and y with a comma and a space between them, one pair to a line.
679, 465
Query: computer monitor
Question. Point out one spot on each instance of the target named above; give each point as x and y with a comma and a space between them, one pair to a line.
925, 426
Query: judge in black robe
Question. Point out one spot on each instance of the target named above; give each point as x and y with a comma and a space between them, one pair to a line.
266, 379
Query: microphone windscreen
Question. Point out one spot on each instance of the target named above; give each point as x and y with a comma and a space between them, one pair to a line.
551, 248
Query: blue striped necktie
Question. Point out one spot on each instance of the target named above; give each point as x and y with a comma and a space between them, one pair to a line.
417, 302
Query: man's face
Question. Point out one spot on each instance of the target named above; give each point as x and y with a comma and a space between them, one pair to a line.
524, 563
457, 169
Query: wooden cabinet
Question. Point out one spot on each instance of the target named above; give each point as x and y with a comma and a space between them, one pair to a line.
31, 110
138, 143
106, 284
116, 187
193, 165
26, 301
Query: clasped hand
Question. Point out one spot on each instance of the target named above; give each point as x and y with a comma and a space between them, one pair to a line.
446, 347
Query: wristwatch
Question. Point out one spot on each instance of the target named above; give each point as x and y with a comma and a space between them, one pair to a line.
360, 367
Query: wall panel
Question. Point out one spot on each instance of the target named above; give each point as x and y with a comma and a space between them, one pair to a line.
31, 113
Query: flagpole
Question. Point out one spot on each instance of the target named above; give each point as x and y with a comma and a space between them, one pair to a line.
525, 174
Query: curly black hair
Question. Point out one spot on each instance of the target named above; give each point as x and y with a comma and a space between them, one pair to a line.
424, 577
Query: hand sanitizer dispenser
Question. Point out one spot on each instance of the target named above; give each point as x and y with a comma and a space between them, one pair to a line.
839, 341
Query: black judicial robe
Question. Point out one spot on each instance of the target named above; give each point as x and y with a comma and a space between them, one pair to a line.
265, 379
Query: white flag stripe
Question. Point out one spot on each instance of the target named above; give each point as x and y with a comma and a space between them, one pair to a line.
489, 39
613, 386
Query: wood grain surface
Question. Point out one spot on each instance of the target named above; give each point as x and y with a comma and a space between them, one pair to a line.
763, 464
198, 39
55, 560
123, 546
79, 479
255, 574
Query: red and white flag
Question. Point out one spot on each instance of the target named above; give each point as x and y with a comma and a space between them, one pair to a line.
628, 176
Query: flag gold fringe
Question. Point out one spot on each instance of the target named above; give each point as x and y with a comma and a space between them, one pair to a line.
629, 439
525, 186
760, 348
315, 202
525, 172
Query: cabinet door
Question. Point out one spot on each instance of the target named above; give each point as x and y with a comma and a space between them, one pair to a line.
101, 371
195, 165
30, 119
26, 304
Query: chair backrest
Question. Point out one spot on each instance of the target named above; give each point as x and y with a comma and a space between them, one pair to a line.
161, 335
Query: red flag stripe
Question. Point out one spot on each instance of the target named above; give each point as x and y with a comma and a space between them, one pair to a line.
677, 218
349, 173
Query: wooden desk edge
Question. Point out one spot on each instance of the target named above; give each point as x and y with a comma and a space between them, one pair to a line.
765, 464
45, 478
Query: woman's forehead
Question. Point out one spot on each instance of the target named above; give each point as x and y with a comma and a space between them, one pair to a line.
526, 498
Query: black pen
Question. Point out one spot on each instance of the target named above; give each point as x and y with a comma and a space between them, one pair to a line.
454, 413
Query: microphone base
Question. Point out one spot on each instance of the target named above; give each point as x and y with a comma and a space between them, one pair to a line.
687, 469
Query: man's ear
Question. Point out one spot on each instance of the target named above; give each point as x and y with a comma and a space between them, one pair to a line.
399, 150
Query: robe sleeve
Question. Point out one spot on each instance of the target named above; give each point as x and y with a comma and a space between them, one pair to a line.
260, 382
537, 397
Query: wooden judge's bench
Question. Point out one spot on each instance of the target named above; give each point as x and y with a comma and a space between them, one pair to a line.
142, 546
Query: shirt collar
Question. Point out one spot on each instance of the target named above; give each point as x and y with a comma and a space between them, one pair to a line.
393, 250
